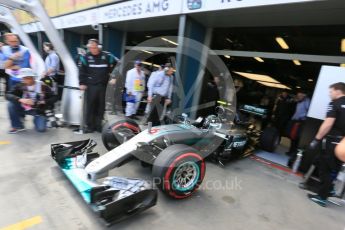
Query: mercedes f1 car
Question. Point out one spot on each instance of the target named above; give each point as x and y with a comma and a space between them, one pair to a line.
175, 152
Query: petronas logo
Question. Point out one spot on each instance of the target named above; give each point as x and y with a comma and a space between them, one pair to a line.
194, 4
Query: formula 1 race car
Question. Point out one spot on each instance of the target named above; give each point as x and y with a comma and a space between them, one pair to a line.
176, 153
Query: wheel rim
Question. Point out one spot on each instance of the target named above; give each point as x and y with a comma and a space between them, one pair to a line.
186, 176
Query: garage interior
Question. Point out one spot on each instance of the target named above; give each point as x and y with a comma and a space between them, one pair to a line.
288, 44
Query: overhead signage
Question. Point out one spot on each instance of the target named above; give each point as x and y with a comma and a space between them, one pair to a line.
192, 6
139, 9
83, 18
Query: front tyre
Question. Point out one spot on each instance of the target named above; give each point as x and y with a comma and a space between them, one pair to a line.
115, 132
179, 170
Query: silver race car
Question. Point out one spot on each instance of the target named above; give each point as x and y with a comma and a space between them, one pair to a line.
175, 152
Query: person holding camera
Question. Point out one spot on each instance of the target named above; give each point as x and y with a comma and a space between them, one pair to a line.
29, 97
16, 57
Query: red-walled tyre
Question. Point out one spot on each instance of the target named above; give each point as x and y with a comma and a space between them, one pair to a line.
113, 132
179, 170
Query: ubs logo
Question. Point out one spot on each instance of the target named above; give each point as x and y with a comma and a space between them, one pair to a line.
194, 4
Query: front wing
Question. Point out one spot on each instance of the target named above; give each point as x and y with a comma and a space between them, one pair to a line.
114, 199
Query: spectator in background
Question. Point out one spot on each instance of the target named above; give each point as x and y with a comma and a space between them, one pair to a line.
29, 98
135, 86
52, 61
283, 111
95, 68
296, 124
52, 66
2, 68
16, 56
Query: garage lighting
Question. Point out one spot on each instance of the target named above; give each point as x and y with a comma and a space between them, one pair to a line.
297, 62
167, 40
282, 43
259, 59
310, 80
227, 56
274, 85
298, 87
148, 36
343, 45
258, 77
145, 51
150, 64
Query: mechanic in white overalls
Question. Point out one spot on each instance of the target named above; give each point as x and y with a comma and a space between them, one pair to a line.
135, 86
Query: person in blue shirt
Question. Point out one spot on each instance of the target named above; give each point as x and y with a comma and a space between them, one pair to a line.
160, 88
296, 123
2, 67
52, 67
16, 57
52, 61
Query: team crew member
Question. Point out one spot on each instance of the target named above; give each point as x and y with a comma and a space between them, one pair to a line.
29, 98
94, 69
135, 86
159, 70
297, 121
159, 94
334, 125
16, 56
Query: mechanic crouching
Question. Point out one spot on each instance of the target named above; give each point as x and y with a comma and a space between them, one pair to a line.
29, 97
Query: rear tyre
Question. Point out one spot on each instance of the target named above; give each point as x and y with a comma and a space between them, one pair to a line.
111, 137
269, 139
178, 171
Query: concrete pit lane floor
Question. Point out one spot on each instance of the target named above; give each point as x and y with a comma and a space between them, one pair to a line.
244, 194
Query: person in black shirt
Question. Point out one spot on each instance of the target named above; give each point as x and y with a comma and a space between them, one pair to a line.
334, 125
283, 111
94, 72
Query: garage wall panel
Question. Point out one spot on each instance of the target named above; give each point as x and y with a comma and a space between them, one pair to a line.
66, 6
52, 7
84, 4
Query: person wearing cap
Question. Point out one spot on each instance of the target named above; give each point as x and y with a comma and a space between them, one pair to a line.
16, 56
29, 97
159, 94
135, 86
95, 68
